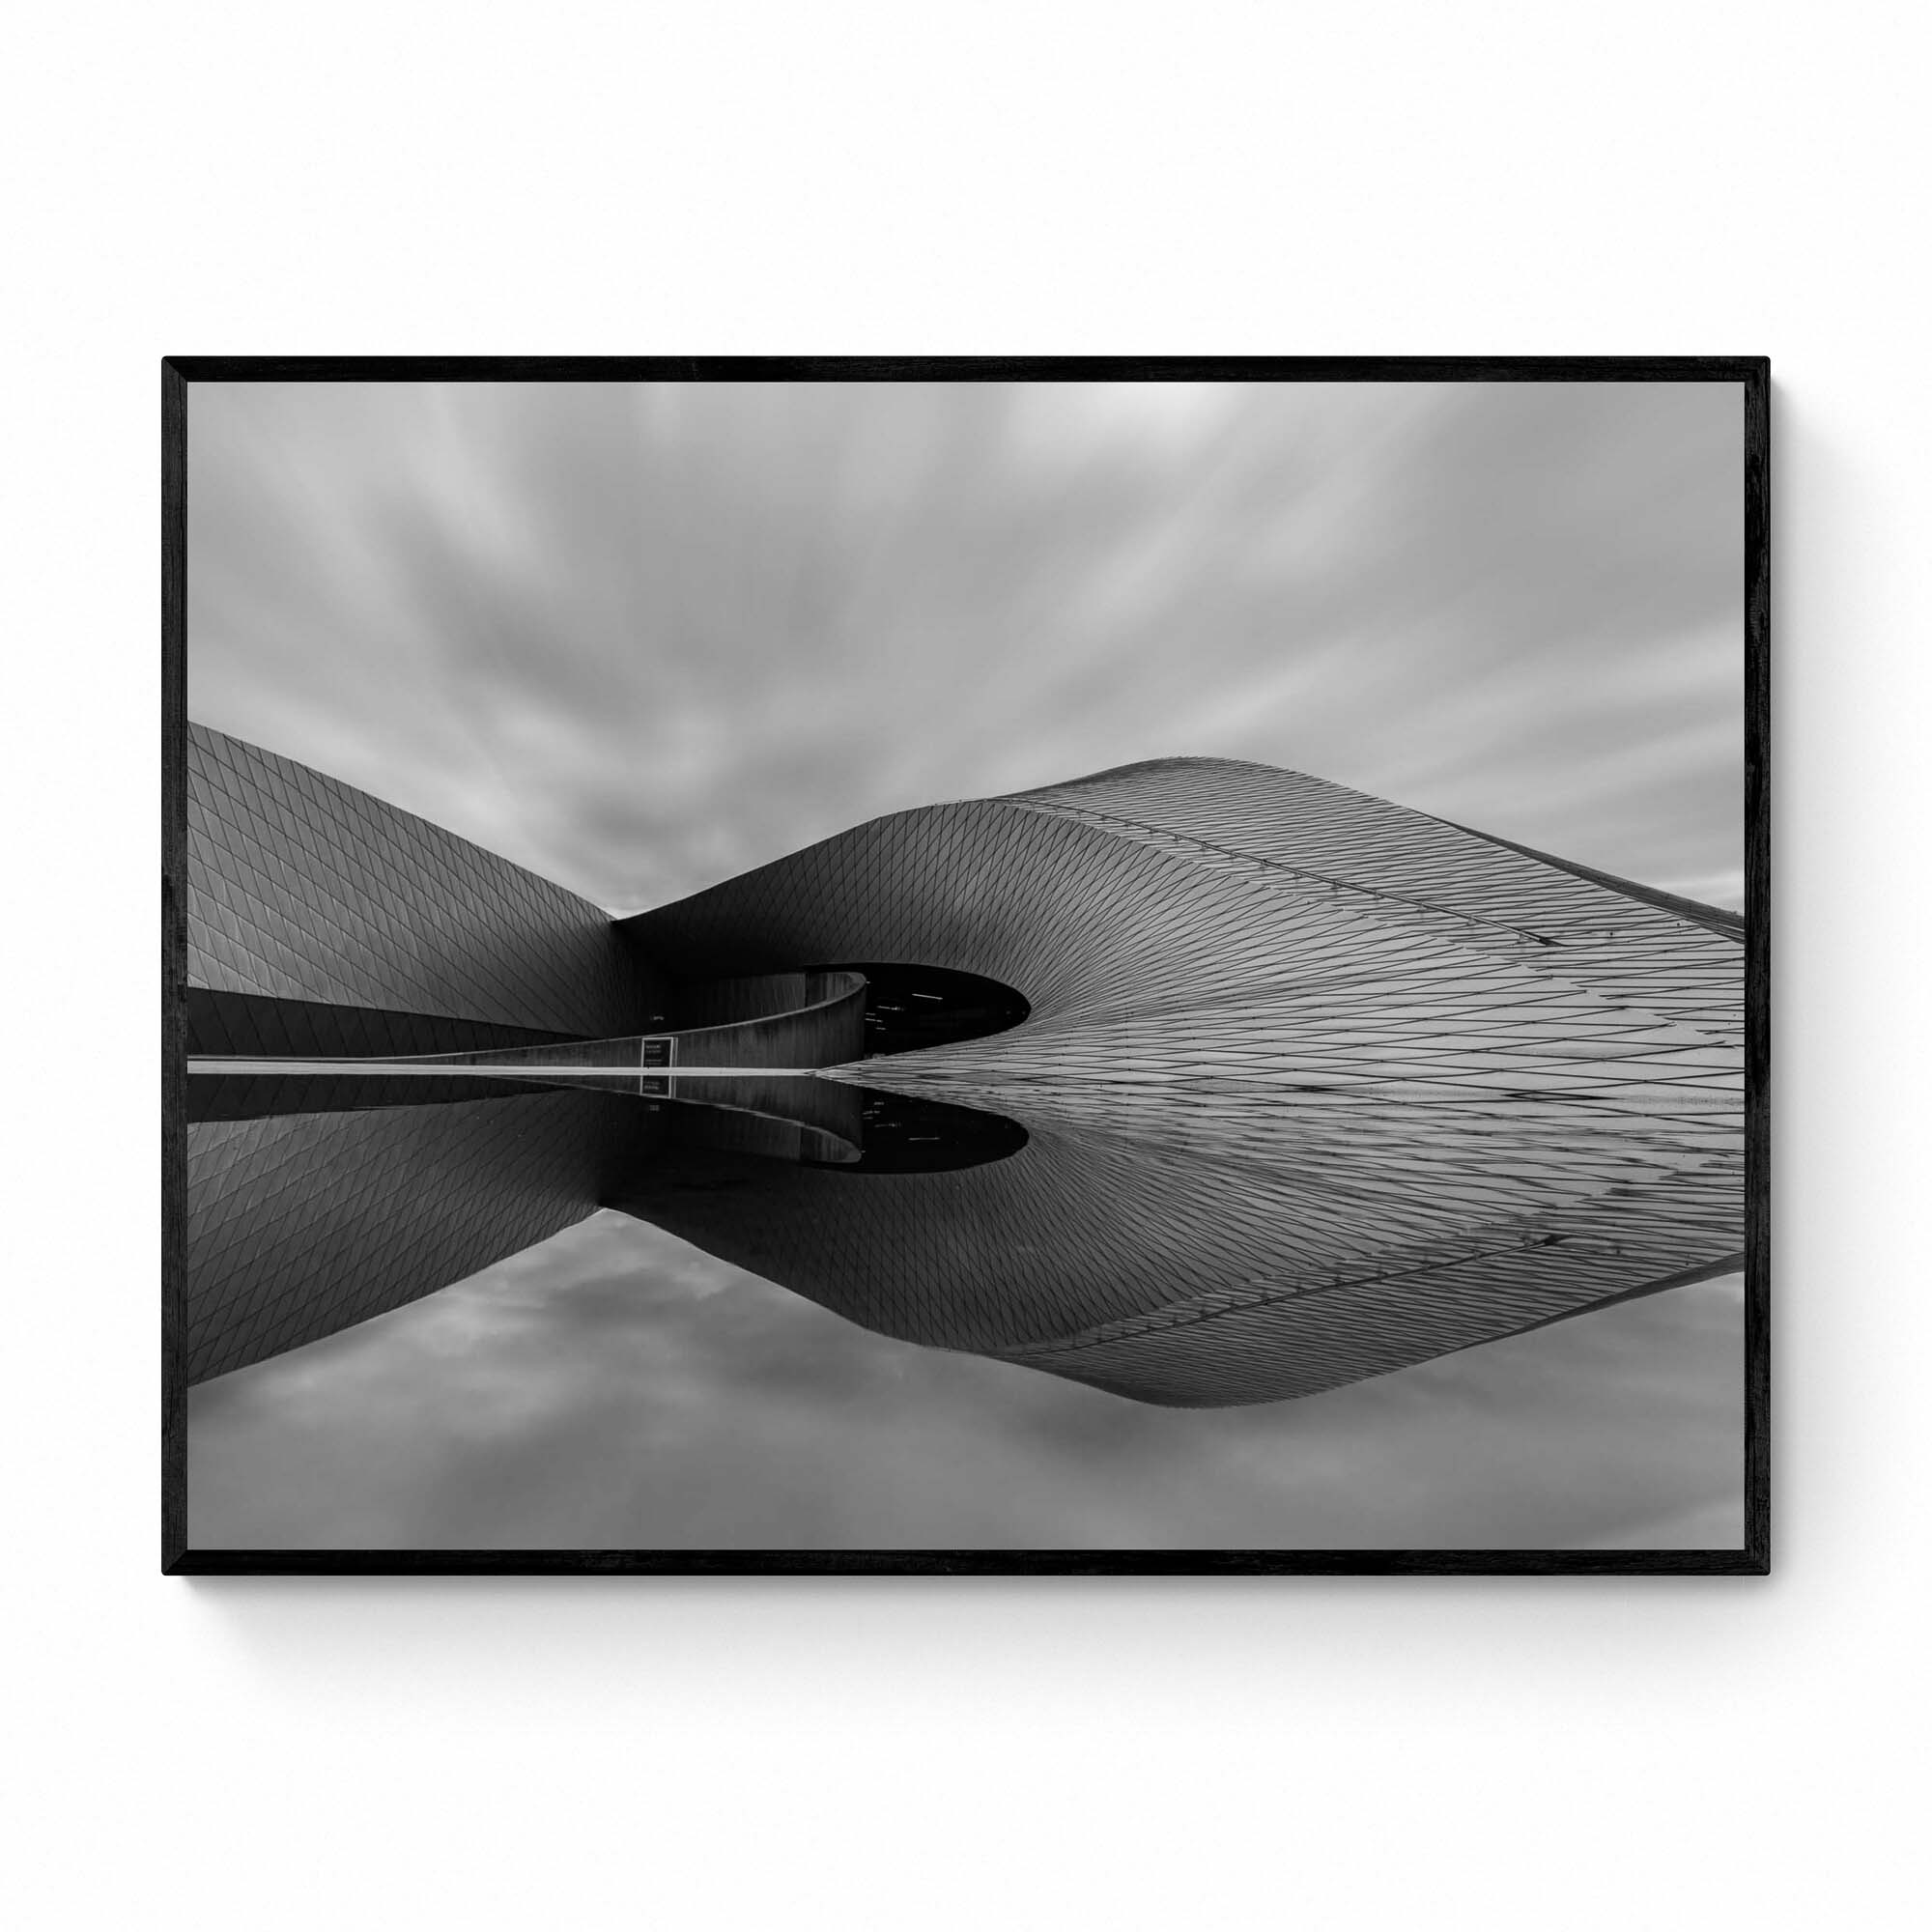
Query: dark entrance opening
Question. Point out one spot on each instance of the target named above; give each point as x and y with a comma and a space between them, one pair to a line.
910, 1007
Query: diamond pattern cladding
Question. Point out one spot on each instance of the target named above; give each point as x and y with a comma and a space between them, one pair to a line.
1318, 1087
301, 1225
303, 888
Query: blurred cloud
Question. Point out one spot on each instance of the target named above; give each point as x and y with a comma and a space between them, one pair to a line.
640, 638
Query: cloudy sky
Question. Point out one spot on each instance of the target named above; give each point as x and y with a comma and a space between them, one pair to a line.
640, 639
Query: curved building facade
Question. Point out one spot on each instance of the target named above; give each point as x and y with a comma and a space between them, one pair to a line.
1316, 1087
1307, 1087
322, 919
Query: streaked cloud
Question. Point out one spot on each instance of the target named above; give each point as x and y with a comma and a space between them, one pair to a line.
642, 638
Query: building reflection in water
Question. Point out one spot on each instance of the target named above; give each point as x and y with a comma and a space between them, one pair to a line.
1198, 1082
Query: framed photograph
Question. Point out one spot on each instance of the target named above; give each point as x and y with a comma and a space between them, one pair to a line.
965, 964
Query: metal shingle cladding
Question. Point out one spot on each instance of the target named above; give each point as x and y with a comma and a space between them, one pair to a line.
313, 908
303, 888
299, 1225
1318, 1087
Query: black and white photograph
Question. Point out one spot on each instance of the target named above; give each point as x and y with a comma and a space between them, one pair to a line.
1095, 963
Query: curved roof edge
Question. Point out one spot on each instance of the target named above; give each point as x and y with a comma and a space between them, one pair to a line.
1726, 923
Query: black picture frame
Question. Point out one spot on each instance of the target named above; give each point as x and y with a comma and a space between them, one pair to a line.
1752, 373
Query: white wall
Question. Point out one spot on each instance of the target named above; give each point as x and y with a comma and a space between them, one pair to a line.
1105, 177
